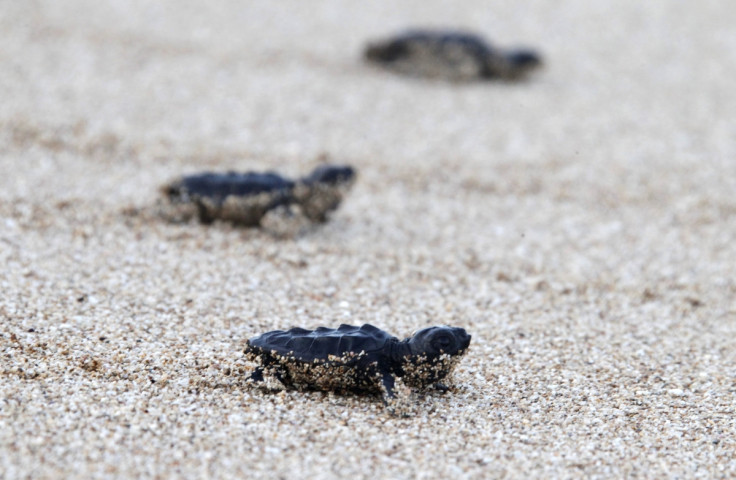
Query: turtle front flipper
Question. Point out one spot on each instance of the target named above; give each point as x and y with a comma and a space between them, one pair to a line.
388, 382
397, 402
205, 211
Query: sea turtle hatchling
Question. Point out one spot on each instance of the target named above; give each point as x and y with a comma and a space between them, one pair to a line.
357, 359
244, 198
450, 55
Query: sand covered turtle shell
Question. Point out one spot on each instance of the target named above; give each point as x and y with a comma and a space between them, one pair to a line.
450, 55
321, 343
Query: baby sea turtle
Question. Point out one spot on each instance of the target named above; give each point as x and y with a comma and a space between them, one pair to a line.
450, 55
357, 359
244, 198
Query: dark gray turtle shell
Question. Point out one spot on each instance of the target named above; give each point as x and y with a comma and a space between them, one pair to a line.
400, 46
320, 344
218, 186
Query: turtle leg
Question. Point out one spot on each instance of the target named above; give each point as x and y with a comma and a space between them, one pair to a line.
204, 212
388, 381
279, 374
395, 404
441, 387
257, 375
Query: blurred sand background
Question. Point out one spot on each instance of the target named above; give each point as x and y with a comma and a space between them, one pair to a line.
580, 225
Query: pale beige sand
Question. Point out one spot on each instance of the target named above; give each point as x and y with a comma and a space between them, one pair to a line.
581, 226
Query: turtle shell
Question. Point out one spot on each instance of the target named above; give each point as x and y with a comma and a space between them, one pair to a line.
452, 55
448, 48
320, 344
470, 44
218, 186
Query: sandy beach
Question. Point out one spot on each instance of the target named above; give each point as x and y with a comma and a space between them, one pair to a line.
581, 225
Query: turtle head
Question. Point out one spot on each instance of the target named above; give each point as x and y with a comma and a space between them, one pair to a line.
436, 341
174, 190
434, 353
332, 175
522, 61
385, 52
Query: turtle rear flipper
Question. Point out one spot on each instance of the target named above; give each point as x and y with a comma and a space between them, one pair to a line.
257, 378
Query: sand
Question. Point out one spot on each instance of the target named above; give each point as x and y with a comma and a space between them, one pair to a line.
579, 225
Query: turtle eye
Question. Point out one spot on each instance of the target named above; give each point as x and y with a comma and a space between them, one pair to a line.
442, 342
